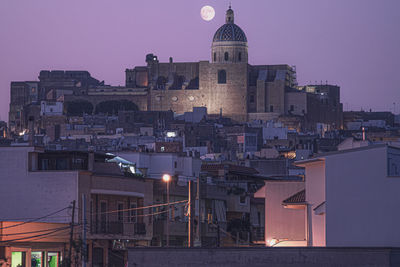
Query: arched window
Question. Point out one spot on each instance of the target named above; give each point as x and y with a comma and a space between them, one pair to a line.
226, 56
221, 76
240, 56
215, 56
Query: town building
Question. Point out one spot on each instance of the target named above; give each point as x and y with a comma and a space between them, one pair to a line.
350, 196
110, 197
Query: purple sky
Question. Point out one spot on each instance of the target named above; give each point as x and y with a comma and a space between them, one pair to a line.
354, 44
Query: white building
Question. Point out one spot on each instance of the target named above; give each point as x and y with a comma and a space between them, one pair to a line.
352, 197
51, 108
158, 164
285, 221
25, 191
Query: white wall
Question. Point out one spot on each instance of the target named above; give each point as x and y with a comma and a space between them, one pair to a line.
51, 108
161, 163
363, 204
25, 194
280, 222
315, 195
270, 132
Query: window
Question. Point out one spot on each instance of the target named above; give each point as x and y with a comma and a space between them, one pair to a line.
291, 107
18, 258
120, 212
252, 99
240, 56
103, 216
132, 213
215, 56
221, 76
271, 108
242, 199
226, 56
175, 164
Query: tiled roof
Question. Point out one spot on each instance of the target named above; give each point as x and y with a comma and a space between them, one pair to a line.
229, 32
298, 198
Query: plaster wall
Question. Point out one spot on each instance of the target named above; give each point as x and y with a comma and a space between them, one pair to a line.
282, 223
32, 194
362, 201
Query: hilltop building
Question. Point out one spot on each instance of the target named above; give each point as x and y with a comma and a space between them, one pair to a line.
227, 85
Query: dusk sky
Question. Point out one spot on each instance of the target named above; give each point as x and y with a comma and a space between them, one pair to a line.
352, 43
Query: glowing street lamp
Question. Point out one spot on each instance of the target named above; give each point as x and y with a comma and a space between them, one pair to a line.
166, 178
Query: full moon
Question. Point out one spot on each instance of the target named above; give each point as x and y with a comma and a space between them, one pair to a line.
207, 13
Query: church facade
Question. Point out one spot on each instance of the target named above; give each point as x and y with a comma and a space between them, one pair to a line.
227, 85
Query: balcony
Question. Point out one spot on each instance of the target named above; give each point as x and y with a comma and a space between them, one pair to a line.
118, 228
257, 234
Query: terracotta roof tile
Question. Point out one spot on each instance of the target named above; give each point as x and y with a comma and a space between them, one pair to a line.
298, 198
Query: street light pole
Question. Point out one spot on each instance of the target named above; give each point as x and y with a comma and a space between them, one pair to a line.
168, 214
167, 178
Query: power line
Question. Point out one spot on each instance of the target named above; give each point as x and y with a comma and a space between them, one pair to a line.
32, 232
27, 238
138, 208
34, 220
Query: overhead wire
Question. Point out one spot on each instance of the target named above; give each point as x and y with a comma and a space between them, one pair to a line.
30, 237
38, 231
138, 208
35, 219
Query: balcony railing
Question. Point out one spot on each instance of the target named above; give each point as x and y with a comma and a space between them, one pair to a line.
257, 234
118, 228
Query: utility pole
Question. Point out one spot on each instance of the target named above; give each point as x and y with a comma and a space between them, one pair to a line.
218, 235
71, 237
190, 215
197, 242
84, 247
168, 214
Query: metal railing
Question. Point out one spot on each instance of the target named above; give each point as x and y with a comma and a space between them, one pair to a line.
118, 228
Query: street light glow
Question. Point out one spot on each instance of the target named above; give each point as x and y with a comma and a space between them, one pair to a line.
166, 177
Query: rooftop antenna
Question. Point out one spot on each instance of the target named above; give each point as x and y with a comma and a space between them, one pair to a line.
230, 5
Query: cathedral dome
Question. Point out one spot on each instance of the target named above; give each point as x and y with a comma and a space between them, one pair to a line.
229, 32
229, 43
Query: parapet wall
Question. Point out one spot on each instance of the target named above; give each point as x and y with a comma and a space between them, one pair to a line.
277, 257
